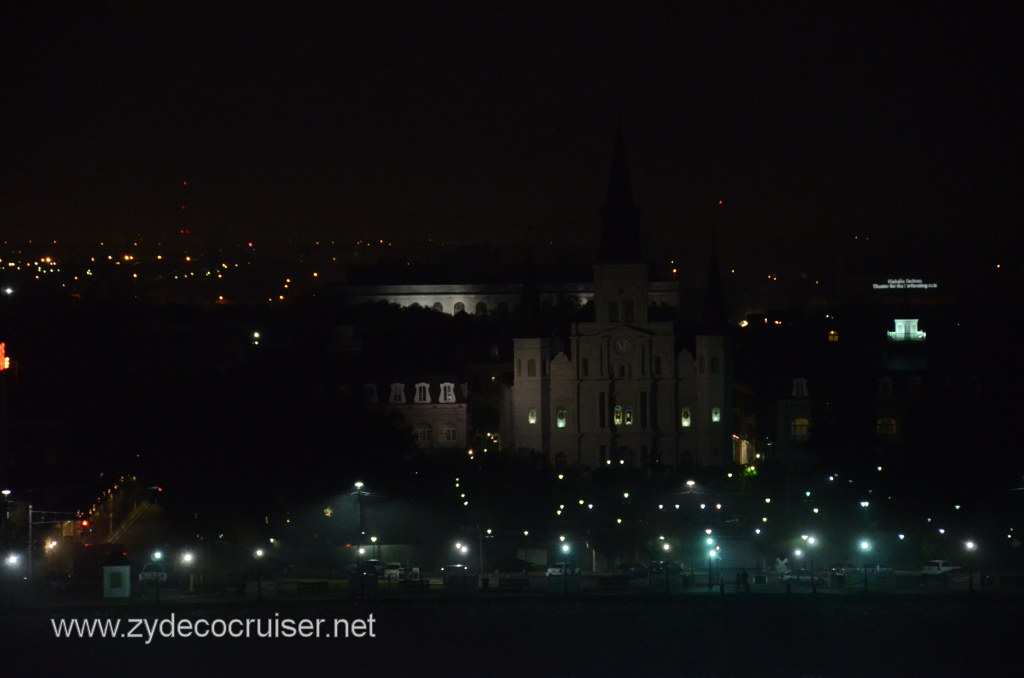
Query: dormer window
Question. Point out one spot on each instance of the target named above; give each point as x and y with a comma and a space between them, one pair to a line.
397, 393
447, 392
422, 393
370, 393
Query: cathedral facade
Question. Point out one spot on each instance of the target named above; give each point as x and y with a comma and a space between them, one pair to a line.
623, 391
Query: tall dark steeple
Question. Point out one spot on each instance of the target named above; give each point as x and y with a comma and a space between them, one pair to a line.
620, 232
714, 319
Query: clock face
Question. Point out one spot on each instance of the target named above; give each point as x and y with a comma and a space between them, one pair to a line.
623, 345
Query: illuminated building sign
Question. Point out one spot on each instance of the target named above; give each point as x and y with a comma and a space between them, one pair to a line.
904, 284
5, 362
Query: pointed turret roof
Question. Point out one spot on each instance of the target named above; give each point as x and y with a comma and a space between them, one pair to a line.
714, 318
620, 233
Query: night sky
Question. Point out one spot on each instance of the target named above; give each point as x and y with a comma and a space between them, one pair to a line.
494, 121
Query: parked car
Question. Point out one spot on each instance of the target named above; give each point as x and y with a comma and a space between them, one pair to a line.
517, 565
843, 569
937, 567
632, 570
394, 571
153, 573
803, 577
559, 570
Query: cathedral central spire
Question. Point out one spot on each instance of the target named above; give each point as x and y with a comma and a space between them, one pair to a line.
620, 233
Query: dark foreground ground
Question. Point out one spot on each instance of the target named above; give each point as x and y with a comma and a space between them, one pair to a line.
751, 635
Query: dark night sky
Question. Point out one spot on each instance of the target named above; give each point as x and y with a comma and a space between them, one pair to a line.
476, 121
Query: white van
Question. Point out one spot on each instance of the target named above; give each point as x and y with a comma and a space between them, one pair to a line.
938, 567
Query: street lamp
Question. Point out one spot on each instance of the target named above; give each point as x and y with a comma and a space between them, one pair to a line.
359, 541
865, 547
970, 547
811, 543
565, 567
259, 574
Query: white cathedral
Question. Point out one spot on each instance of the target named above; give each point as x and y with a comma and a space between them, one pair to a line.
623, 392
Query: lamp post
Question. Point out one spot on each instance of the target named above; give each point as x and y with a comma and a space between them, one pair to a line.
156, 558
667, 548
865, 547
259, 574
811, 543
970, 547
565, 567
711, 554
359, 540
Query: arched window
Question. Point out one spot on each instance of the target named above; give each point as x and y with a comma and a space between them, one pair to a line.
629, 311
531, 416
627, 417
460, 307
481, 308
560, 417
447, 433
447, 393
423, 434
799, 429
716, 414
422, 393
886, 427
438, 306
617, 415
684, 418
397, 393
531, 368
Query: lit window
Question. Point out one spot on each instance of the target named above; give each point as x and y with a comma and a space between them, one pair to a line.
833, 336
799, 429
628, 416
886, 427
447, 392
617, 416
716, 414
397, 393
531, 416
422, 393
684, 419
560, 417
